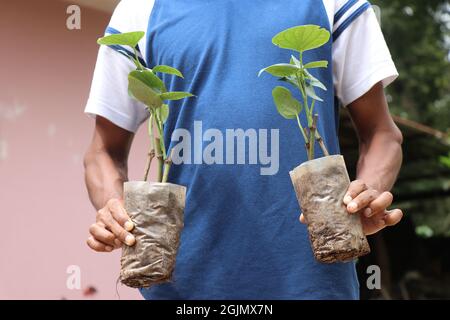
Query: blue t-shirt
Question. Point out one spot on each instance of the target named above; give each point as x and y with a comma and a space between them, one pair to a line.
242, 238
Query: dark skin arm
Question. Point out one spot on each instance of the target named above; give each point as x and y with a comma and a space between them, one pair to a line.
380, 158
105, 172
379, 163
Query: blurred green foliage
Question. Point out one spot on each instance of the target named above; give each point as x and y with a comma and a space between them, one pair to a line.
418, 34
424, 231
445, 160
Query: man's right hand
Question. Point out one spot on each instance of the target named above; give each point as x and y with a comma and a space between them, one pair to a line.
112, 228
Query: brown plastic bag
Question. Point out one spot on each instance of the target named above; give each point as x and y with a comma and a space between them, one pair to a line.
157, 211
335, 235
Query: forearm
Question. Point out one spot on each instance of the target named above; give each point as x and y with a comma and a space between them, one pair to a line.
104, 177
380, 160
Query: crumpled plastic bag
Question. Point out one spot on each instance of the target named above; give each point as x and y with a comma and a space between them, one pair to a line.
157, 210
335, 235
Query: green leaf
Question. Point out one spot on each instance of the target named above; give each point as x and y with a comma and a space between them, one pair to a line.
141, 88
316, 83
302, 38
163, 113
168, 70
175, 95
290, 80
123, 39
286, 104
317, 64
295, 61
280, 70
313, 81
310, 92
150, 79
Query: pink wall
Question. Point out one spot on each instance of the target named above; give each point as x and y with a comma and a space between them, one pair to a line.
45, 74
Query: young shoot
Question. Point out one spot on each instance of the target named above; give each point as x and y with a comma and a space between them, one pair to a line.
300, 39
145, 86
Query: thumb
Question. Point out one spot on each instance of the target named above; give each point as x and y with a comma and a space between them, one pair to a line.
302, 219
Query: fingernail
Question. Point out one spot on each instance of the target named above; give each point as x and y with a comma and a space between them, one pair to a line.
347, 199
367, 212
129, 225
129, 240
352, 206
109, 249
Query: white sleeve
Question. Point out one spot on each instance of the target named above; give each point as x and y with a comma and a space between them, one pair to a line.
361, 57
109, 90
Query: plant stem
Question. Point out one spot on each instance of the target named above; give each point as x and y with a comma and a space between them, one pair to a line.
302, 87
308, 111
167, 167
312, 137
159, 156
150, 156
302, 130
322, 144
307, 142
138, 63
161, 136
151, 152
311, 111
303, 92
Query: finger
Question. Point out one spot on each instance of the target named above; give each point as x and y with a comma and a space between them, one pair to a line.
302, 219
374, 224
362, 200
101, 234
97, 245
117, 243
119, 214
116, 229
380, 204
355, 188
393, 217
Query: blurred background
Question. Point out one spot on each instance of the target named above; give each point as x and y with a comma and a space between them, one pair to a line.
45, 76
415, 256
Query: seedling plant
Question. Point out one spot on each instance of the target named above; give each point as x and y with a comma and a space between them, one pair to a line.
296, 73
145, 86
